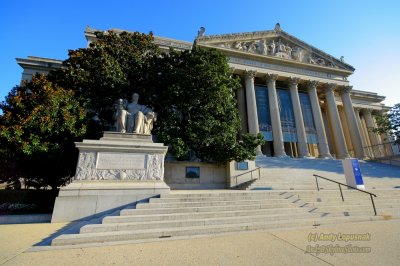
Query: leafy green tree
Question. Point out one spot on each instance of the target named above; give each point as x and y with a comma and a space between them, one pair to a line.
192, 92
196, 105
38, 127
389, 123
112, 67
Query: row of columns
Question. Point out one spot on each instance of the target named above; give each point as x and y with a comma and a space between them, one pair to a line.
338, 135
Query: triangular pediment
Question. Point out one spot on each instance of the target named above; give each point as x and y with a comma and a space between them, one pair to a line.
274, 43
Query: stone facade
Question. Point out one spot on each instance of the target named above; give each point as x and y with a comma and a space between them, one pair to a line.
325, 117
281, 64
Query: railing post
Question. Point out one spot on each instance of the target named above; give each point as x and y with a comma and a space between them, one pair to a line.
341, 193
259, 173
373, 204
316, 180
251, 175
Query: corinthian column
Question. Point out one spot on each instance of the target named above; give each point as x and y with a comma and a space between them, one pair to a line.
252, 116
360, 127
373, 137
338, 135
279, 150
352, 123
323, 147
298, 115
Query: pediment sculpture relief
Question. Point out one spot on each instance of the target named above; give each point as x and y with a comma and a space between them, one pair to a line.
278, 48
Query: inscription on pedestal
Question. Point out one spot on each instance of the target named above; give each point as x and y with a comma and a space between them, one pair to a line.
112, 160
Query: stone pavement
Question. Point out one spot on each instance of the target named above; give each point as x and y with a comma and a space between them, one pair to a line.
275, 247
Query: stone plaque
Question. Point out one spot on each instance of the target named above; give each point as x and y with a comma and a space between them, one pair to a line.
126, 161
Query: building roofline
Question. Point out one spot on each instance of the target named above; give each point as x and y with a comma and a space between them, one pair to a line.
164, 42
39, 62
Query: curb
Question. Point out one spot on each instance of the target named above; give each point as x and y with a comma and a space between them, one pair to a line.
25, 218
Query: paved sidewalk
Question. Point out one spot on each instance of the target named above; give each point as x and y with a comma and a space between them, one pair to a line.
278, 247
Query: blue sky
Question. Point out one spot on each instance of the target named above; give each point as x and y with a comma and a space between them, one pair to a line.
366, 33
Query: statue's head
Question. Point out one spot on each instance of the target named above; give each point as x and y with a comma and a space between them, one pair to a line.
135, 97
120, 104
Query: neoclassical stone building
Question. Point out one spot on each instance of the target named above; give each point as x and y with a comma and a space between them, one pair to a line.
296, 95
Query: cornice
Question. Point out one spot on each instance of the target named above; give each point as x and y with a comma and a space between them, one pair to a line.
39, 63
366, 95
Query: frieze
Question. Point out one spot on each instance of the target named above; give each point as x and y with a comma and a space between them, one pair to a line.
268, 66
87, 170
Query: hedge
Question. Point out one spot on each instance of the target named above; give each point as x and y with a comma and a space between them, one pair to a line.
27, 201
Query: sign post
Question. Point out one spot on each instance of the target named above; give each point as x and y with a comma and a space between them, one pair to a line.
352, 172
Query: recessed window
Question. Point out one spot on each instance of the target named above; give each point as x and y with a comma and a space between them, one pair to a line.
192, 172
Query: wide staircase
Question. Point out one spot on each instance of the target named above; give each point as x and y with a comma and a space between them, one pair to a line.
269, 205
297, 174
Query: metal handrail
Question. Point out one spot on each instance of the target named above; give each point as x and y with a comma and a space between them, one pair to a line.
383, 150
340, 188
251, 175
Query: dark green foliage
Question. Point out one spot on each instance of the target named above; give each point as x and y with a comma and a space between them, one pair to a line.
112, 67
197, 109
192, 92
389, 123
39, 125
27, 201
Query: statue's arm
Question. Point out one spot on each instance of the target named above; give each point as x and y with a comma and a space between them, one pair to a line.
144, 109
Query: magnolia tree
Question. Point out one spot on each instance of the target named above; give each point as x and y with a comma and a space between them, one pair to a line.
193, 93
38, 127
198, 114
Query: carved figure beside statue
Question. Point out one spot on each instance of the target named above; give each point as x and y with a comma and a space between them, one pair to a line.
137, 119
121, 116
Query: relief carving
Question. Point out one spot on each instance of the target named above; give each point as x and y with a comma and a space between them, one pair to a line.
278, 48
86, 169
155, 167
106, 174
119, 174
135, 174
86, 166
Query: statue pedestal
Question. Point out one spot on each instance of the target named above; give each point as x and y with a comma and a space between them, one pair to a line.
117, 170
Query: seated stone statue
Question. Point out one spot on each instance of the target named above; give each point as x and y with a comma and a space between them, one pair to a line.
140, 118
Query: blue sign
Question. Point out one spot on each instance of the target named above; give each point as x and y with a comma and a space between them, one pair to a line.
357, 172
242, 166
